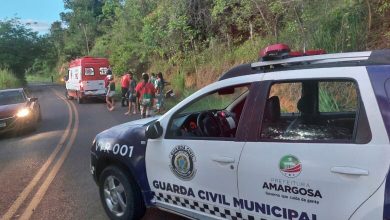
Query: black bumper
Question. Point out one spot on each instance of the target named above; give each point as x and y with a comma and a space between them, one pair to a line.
16, 124
93, 167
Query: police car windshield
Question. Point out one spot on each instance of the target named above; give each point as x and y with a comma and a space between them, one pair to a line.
216, 100
11, 97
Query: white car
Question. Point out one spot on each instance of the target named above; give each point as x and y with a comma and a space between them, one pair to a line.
300, 138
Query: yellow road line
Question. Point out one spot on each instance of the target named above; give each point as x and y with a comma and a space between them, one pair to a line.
44, 187
22, 196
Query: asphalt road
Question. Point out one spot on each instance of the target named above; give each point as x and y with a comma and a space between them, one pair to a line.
45, 174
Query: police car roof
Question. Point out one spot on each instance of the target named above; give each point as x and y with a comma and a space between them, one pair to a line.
367, 58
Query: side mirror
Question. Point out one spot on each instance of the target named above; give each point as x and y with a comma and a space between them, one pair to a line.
33, 99
154, 130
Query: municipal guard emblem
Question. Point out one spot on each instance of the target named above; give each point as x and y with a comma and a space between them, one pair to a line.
182, 161
290, 166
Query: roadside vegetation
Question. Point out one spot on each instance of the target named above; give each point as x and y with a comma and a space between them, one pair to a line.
194, 41
8, 79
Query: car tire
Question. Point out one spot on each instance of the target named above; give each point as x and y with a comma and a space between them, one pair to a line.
120, 195
39, 115
32, 128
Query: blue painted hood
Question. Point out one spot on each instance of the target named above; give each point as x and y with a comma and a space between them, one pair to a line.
130, 135
119, 130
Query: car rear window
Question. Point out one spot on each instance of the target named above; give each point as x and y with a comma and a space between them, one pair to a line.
103, 70
88, 71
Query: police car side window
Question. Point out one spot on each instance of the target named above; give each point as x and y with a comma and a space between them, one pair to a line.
311, 110
212, 116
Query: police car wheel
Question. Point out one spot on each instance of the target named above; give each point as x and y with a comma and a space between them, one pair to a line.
120, 195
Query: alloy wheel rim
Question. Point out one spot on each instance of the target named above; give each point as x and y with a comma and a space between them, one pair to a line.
115, 196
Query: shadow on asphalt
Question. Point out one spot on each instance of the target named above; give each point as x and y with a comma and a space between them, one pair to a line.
156, 214
17, 134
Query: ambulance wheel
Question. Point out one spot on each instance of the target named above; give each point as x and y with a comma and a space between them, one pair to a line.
120, 195
80, 100
67, 96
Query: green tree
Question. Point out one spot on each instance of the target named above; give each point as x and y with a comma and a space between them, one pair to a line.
19, 47
82, 21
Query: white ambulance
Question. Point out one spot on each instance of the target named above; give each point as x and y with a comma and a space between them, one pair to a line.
86, 77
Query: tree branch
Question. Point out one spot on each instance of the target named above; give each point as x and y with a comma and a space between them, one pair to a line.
262, 14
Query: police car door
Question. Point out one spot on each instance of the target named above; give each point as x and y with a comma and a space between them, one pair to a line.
192, 171
317, 155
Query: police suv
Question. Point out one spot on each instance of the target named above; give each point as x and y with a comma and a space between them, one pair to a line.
298, 136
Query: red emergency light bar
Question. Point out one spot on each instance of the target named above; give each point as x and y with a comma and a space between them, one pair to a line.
296, 54
273, 52
314, 52
282, 51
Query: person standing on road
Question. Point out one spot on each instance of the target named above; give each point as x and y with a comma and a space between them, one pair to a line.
132, 95
106, 80
109, 70
110, 93
125, 82
146, 93
159, 86
153, 78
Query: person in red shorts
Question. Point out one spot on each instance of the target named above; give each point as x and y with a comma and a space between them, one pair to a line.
145, 93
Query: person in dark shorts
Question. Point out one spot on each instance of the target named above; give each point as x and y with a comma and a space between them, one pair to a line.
125, 82
159, 85
132, 95
110, 93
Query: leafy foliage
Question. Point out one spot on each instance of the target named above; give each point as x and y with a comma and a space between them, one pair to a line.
8, 79
19, 47
198, 38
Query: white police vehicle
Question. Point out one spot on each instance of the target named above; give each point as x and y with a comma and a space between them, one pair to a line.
289, 137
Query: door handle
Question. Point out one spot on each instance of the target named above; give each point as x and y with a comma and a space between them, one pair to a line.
349, 171
221, 159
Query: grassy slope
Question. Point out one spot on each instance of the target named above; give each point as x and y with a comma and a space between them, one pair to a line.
8, 80
196, 70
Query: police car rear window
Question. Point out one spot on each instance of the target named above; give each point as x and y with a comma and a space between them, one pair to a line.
311, 110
